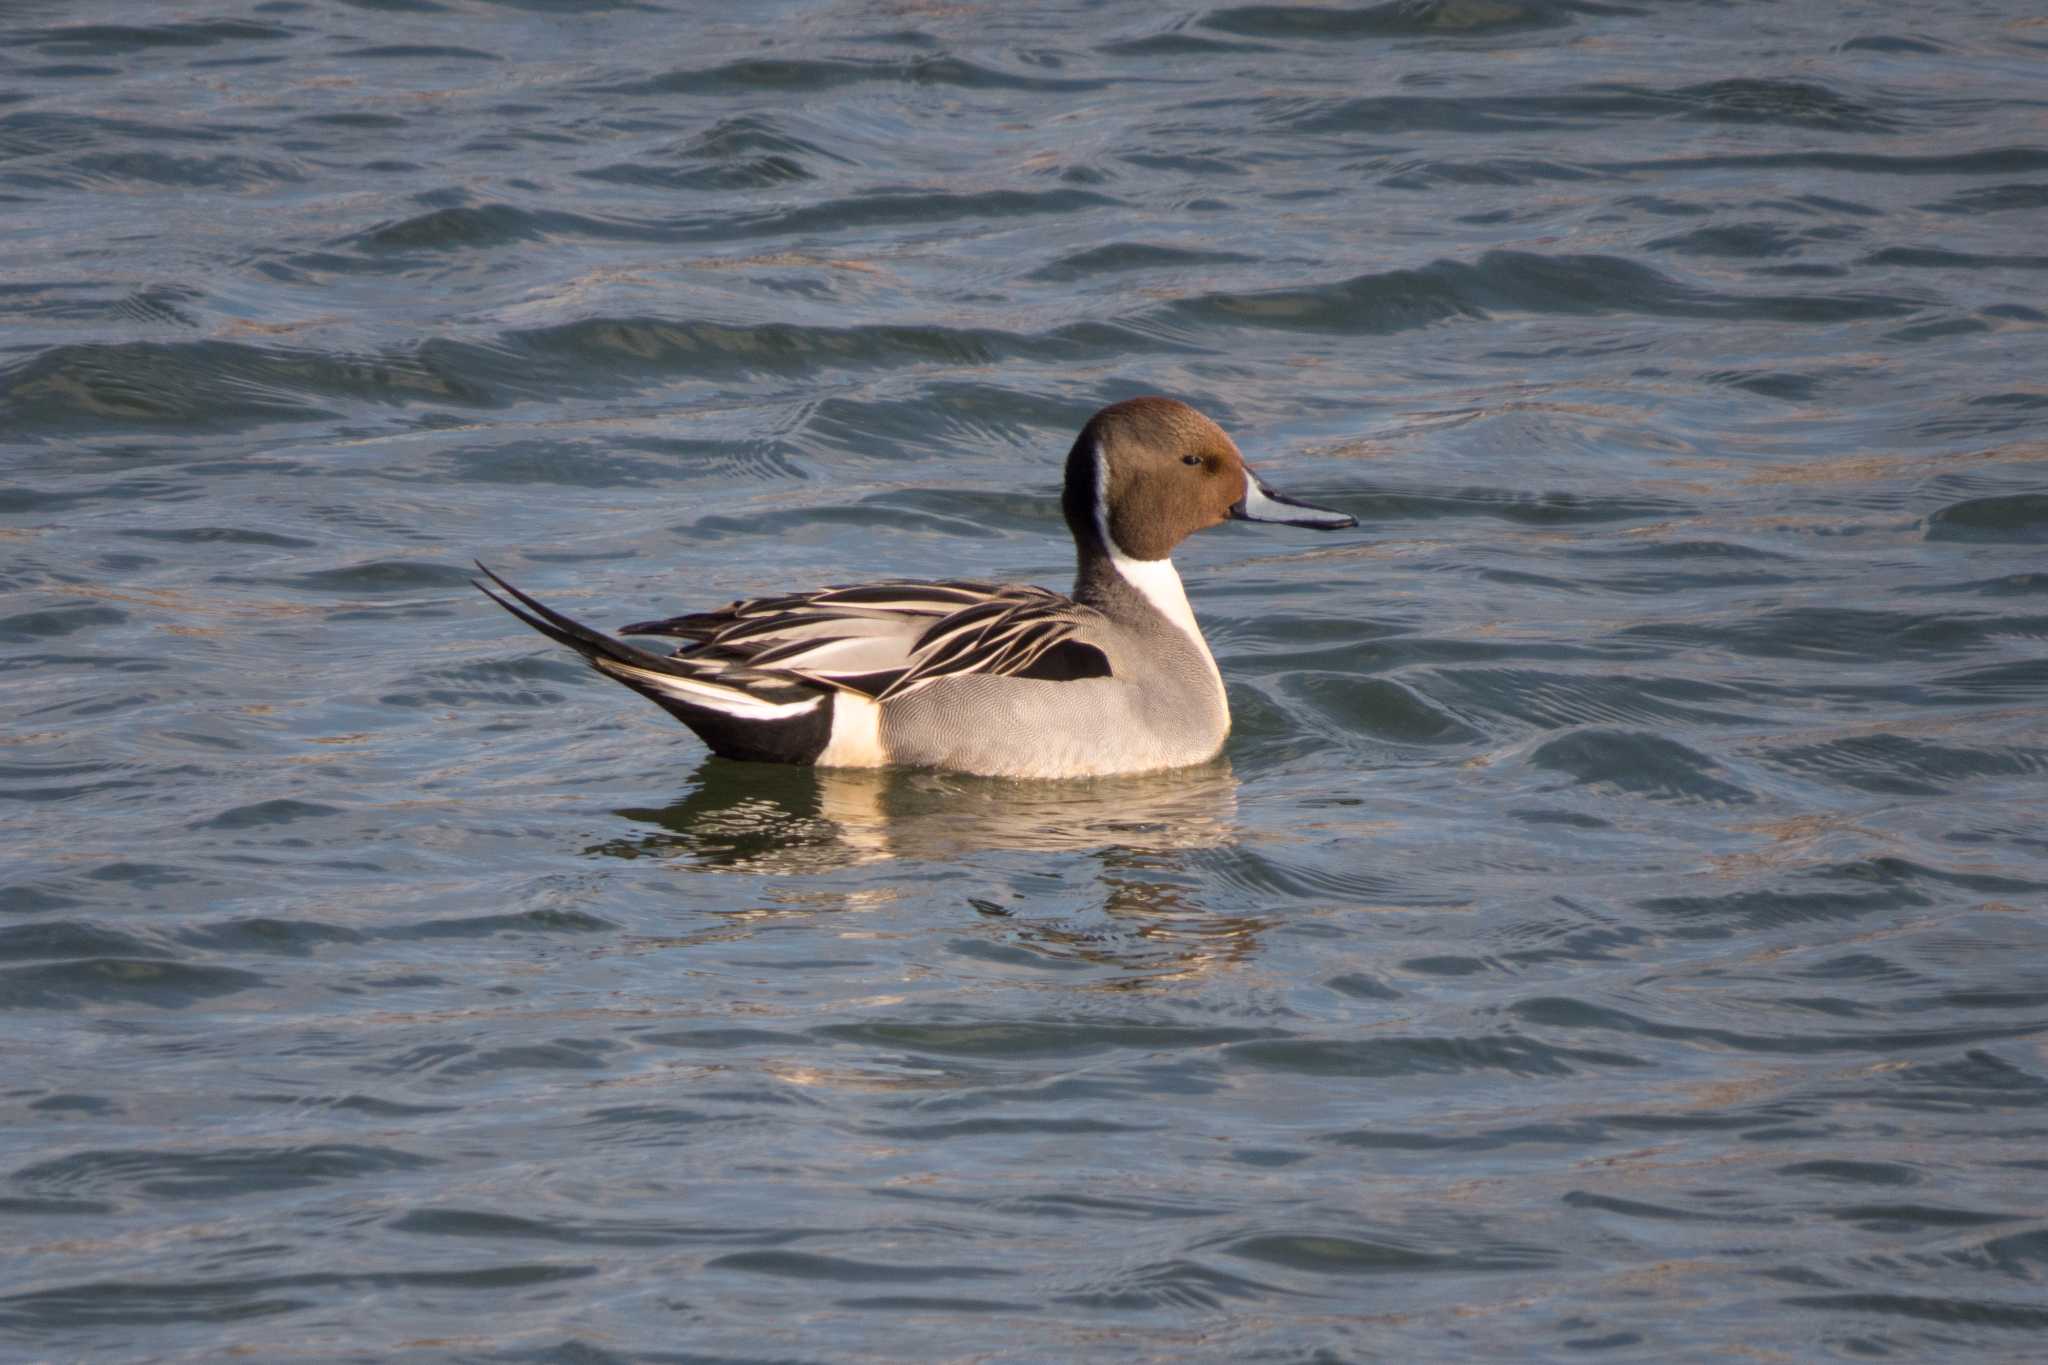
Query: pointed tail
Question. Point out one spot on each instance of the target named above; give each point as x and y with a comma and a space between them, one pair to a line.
684, 689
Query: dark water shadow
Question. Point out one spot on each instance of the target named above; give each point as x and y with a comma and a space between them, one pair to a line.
1130, 905
771, 818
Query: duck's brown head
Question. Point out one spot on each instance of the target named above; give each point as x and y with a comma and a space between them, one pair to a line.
1147, 473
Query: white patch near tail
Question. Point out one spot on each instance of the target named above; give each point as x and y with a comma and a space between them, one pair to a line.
856, 734
730, 701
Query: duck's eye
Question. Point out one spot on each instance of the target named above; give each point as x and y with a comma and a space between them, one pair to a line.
1190, 459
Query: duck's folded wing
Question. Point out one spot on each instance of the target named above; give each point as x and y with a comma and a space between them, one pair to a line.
1032, 634
761, 616
884, 639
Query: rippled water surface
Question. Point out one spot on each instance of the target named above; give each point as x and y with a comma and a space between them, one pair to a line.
1616, 927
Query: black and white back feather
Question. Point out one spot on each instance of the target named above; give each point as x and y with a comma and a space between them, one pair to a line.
884, 640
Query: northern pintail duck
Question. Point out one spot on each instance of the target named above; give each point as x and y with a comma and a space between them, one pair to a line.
1002, 679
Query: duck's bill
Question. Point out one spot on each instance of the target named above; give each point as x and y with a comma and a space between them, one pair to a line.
1261, 503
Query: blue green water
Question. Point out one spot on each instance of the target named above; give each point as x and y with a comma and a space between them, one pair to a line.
1618, 927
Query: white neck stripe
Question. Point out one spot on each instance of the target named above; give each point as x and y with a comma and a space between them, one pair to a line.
1155, 579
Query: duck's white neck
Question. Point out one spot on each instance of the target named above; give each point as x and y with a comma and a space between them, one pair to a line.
1155, 579
1158, 583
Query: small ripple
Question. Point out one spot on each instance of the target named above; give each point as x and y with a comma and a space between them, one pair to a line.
1122, 257
402, 51
497, 683
1838, 633
2031, 196
879, 515
1901, 765
375, 577
1496, 171
1178, 1284
34, 133
128, 171
1918, 44
1639, 763
745, 152
1262, 875
940, 419
1737, 241
1976, 1082
1951, 1311
1086, 1206
1779, 103
490, 926
889, 208
760, 172
2021, 1253
2024, 681
206, 384
1887, 1174
747, 135
1897, 1219
264, 814
1421, 1056
1722, 916
1936, 258
1986, 415
216, 535
1035, 1038
241, 1172
2010, 519
1176, 44
54, 623
652, 1125
1560, 700
469, 226
560, 1054
1988, 161
814, 75
144, 1303
1783, 103
800, 1265
1581, 1016
611, 350
1661, 567
107, 40
96, 981
932, 1303
1333, 1254
1507, 504
1003, 1128
265, 934
1511, 282
1666, 1213
1378, 707
71, 939
1395, 19
151, 305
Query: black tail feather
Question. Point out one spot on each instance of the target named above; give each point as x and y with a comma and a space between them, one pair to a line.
568, 631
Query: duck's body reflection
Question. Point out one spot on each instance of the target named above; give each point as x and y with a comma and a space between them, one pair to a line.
1147, 837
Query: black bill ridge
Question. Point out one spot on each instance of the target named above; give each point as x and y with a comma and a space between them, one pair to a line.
1261, 503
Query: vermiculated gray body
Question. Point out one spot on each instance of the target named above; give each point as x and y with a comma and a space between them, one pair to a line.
1163, 707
